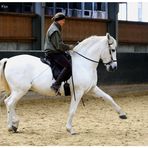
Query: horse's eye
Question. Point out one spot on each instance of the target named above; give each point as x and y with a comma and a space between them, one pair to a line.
113, 50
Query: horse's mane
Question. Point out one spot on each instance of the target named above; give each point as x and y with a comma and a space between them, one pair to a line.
88, 43
93, 41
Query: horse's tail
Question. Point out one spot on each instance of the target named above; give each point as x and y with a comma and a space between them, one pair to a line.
3, 82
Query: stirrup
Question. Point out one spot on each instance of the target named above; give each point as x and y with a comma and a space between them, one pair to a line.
57, 92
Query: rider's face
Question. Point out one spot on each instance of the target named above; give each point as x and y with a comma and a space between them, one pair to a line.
62, 22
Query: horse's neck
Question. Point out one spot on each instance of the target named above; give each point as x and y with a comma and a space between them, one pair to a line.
91, 50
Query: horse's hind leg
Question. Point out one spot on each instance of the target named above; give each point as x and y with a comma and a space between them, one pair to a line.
11, 102
97, 92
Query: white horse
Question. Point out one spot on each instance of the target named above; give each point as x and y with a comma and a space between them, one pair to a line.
22, 73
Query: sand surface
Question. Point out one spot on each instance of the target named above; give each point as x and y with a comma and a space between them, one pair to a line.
43, 120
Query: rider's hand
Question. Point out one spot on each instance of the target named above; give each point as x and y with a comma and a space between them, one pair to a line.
77, 43
71, 47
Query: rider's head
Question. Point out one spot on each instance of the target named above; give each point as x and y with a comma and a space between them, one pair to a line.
59, 18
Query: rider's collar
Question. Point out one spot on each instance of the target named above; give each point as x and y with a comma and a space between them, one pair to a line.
58, 26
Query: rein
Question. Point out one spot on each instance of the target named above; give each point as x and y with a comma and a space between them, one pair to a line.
97, 61
86, 57
94, 60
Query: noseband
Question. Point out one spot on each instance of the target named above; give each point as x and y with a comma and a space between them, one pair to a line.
112, 60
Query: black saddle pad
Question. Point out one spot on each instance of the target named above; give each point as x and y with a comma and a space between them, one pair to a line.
56, 69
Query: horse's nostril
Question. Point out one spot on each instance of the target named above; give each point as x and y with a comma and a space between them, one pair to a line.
112, 69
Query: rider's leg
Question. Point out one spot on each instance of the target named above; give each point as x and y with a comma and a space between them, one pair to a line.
64, 62
56, 85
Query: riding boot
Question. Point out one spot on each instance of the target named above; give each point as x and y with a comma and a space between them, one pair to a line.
56, 85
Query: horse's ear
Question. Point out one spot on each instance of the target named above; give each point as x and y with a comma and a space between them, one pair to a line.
108, 36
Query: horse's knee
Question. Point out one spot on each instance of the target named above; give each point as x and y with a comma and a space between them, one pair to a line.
12, 100
9, 104
6, 101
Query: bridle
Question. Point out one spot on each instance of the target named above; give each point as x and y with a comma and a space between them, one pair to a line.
108, 63
110, 51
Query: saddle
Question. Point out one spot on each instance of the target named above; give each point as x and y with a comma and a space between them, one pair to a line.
56, 70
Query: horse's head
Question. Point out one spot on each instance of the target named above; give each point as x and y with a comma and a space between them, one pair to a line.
108, 55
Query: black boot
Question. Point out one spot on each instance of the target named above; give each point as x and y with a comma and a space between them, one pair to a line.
56, 85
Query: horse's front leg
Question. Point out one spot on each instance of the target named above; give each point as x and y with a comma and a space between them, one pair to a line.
72, 110
97, 92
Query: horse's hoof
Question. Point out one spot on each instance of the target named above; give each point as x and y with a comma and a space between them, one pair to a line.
10, 129
123, 117
71, 131
14, 129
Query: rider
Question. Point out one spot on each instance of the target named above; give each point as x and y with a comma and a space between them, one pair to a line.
55, 49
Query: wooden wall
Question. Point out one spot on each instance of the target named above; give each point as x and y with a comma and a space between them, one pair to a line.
77, 29
19, 28
16, 27
133, 32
